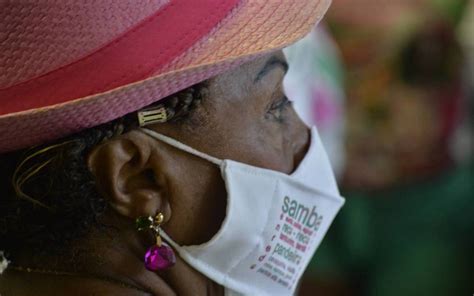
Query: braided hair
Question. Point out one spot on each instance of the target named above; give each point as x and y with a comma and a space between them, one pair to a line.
49, 198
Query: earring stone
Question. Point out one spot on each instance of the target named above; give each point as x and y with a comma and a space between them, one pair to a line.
142, 223
159, 257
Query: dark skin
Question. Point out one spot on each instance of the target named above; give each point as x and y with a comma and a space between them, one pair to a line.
245, 117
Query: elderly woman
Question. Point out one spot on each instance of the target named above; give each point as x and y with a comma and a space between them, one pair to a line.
150, 150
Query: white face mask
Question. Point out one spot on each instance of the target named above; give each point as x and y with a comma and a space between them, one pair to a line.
273, 225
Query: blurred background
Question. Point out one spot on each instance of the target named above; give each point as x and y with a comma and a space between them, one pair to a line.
390, 85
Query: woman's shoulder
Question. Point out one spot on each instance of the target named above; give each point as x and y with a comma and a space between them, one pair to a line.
28, 284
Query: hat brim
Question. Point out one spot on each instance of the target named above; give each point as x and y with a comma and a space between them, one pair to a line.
255, 28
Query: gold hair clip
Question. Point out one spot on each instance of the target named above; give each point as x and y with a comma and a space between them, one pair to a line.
152, 115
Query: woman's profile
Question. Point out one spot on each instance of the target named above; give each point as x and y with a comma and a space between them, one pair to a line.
149, 149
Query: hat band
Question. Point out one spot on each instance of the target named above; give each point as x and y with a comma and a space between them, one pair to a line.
135, 55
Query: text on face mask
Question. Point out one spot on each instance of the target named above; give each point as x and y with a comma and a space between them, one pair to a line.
301, 213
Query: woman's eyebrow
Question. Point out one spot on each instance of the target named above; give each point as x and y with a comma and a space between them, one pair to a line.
271, 64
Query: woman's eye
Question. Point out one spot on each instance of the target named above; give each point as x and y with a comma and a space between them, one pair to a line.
277, 109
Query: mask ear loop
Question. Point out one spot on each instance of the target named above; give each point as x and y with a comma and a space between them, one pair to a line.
181, 146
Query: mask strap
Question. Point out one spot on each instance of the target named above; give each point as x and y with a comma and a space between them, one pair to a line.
181, 146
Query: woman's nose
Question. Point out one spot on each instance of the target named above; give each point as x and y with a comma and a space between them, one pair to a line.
301, 144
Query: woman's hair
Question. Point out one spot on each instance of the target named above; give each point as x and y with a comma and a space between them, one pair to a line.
48, 197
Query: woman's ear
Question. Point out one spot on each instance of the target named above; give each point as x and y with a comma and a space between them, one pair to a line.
127, 179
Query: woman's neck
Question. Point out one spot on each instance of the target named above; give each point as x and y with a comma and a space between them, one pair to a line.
118, 254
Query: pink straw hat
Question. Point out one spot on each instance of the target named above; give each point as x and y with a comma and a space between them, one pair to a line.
69, 65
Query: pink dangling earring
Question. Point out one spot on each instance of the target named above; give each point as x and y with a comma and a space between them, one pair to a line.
159, 256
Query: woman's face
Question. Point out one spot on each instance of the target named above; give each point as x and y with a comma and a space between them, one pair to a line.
245, 117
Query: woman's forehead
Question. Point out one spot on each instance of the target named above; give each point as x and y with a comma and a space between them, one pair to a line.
243, 77
250, 67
